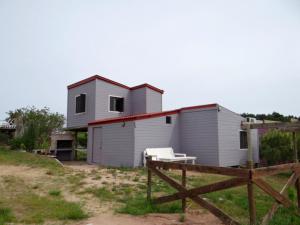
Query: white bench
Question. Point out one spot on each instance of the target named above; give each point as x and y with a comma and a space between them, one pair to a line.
167, 155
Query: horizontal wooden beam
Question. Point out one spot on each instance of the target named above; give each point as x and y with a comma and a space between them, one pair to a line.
272, 170
286, 126
227, 171
272, 192
234, 182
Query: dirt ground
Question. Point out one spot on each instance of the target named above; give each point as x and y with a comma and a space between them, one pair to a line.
110, 218
103, 214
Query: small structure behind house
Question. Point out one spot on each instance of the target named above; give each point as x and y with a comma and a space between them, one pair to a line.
62, 145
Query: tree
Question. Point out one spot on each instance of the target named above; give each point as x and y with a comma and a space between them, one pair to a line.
275, 116
34, 126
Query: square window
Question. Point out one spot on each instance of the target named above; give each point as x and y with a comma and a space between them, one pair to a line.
168, 120
116, 104
80, 103
243, 140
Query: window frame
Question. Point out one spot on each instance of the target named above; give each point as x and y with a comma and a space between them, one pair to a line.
109, 96
241, 140
76, 96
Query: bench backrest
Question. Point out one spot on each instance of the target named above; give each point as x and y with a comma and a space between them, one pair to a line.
160, 152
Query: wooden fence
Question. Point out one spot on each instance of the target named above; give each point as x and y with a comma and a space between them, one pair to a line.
248, 177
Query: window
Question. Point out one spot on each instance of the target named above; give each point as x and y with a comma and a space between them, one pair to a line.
168, 120
243, 140
116, 104
80, 103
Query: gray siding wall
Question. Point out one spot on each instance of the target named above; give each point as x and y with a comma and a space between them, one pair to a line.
81, 120
117, 144
103, 91
155, 133
138, 101
199, 135
229, 128
153, 101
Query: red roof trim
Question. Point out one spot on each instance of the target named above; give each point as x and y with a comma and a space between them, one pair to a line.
95, 77
99, 78
150, 115
147, 86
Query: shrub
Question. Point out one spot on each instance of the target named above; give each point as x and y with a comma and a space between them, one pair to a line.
277, 147
16, 143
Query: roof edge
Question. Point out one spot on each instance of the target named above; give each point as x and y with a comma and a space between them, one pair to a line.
151, 115
98, 77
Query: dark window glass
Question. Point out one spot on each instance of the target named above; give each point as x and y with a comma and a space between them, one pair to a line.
116, 104
243, 140
80, 103
168, 119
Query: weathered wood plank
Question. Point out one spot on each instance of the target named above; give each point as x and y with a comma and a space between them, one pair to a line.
227, 171
272, 170
286, 126
234, 182
149, 183
251, 202
214, 210
183, 182
272, 192
291, 181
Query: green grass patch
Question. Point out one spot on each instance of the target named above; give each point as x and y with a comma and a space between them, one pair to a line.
6, 215
12, 157
32, 208
102, 193
138, 205
285, 217
37, 209
54, 192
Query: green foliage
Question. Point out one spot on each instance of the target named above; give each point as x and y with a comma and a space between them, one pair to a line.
275, 116
6, 216
82, 139
277, 147
34, 127
17, 143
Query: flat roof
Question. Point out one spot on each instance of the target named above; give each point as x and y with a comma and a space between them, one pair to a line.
151, 115
98, 77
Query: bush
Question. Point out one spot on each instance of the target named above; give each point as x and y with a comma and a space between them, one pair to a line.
277, 147
16, 143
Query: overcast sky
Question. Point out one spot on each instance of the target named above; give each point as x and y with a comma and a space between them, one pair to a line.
244, 55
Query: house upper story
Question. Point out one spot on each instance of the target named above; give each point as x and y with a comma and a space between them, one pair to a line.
98, 98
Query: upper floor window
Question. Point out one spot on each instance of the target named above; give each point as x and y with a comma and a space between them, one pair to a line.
168, 120
243, 140
116, 104
80, 103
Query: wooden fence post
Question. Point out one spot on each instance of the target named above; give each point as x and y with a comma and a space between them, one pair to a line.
149, 181
184, 185
295, 147
251, 200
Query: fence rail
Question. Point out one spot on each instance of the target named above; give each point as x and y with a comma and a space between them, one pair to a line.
241, 177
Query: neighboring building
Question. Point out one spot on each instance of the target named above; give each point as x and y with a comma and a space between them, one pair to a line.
123, 121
